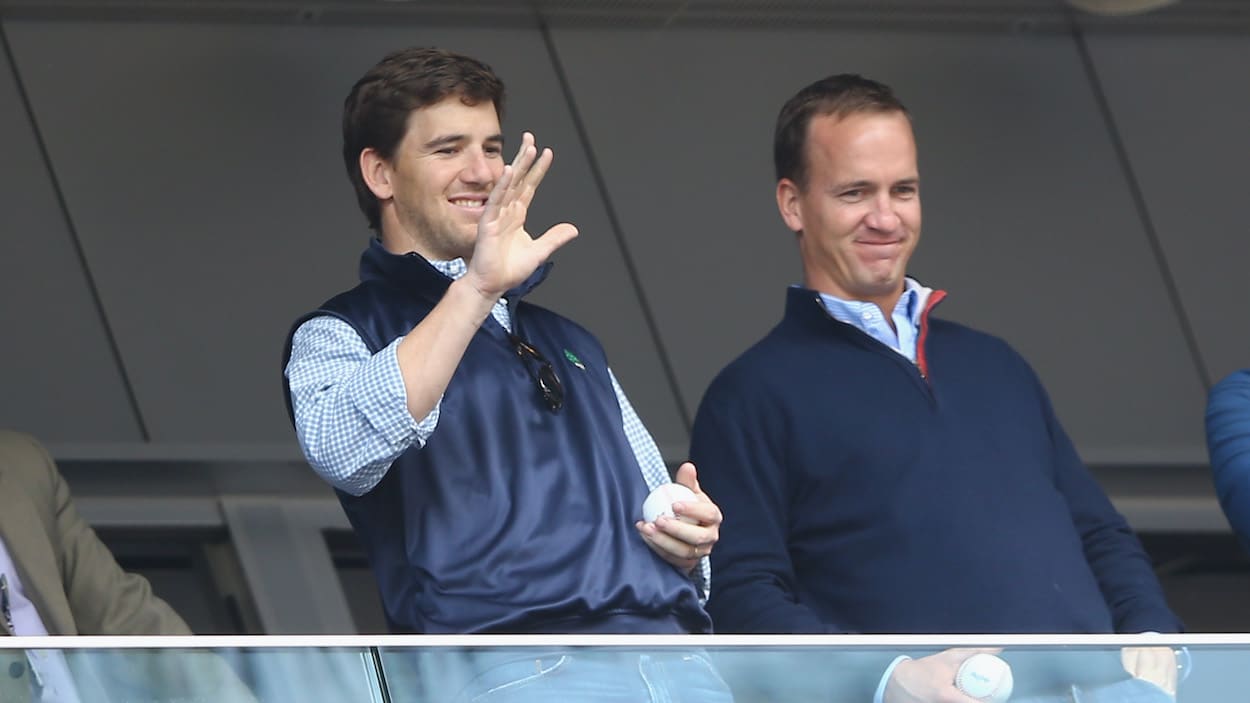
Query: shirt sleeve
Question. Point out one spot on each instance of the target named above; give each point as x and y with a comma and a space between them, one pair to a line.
654, 471
1228, 441
1117, 559
350, 405
738, 447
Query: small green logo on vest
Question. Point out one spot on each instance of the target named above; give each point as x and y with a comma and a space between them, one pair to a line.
574, 360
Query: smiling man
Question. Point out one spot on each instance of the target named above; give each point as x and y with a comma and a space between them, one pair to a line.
886, 471
480, 444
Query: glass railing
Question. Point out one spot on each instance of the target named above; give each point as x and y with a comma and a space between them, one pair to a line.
751, 669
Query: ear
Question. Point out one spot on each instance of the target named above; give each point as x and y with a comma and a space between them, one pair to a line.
788, 203
376, 172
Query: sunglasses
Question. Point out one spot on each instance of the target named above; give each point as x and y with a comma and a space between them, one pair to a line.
549, 385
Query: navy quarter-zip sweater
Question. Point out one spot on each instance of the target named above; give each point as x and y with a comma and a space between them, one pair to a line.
862, 495
511, 518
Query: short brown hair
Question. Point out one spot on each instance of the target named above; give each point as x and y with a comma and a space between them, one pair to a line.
376, 111
839, 95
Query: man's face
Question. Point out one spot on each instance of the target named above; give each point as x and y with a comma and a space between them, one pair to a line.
858, 218
434, 190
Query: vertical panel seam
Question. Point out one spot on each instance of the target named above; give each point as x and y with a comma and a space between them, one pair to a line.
1139, 203
618, 231
75, 240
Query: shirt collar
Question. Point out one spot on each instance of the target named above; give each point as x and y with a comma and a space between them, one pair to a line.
453, 269
911, 304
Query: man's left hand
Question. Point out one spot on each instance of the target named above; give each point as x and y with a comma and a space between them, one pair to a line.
678, 542
1154, 664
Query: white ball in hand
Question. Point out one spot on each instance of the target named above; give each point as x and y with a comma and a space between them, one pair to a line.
660, 501
985, 677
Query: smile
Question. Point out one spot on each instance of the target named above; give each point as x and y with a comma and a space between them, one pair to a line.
471, 203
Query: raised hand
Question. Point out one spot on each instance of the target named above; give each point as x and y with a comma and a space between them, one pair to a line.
505, 254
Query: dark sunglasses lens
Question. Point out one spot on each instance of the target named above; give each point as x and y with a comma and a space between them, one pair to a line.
549, 384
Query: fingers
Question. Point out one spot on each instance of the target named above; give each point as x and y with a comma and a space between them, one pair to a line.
680, 542
523, 152
704, 512
529, 166
534, 175
700, 515
688, 476
1156, 665
930, 678
683, 555
508, 185
556, 237
682, 531
498, 193
683, 542
509, 200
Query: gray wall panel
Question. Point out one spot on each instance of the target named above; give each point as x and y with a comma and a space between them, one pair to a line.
196, 206
216, 209
1182, 105
61, 380
1030, 224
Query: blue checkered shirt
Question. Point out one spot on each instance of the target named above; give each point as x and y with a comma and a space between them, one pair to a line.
901, 336
351, 407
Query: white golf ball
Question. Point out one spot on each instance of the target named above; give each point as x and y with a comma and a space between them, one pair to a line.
660, 501
985, 677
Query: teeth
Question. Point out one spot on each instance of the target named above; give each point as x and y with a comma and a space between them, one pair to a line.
468, 203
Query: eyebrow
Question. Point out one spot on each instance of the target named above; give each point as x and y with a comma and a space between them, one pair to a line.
851, 185
450, 139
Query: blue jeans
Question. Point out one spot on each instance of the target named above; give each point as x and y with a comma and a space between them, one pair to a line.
658, 676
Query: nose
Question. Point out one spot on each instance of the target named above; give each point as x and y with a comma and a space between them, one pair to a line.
882, 217
479, 170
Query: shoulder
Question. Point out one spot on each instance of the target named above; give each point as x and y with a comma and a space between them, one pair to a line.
959, 333
1228, 424
1233, 388
364, 293
24, 460
755, 371
568, 326
973, 345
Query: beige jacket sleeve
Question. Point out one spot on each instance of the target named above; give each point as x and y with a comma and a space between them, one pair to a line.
81, 589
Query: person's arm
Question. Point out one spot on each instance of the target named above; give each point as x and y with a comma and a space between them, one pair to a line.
349, 405
655, 473
350, 408
104, 599
740, 451
1228, 442
504, 255
354, 411
1121, 566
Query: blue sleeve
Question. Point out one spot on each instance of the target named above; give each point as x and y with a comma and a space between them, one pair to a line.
739, 452
1124, 571
1228, 441
740, 446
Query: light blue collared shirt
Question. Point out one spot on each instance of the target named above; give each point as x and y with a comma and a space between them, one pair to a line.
867, 317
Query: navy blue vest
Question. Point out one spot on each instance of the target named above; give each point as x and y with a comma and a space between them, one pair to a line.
512, 518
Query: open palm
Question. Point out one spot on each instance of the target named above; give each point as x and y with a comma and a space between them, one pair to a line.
505, 254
